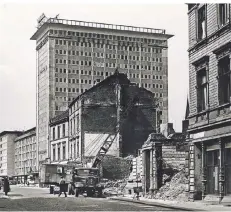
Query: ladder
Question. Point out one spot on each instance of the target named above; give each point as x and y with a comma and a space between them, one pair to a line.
103, 149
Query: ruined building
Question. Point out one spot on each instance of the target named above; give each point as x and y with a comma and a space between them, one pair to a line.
116, 110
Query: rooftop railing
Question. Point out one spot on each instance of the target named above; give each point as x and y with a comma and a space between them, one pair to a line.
104, 26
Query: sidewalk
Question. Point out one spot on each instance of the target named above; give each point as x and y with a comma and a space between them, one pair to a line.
176, 205
2, 195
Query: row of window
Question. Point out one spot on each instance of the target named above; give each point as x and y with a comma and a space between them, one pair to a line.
109, 65
109, 56
105, 37
73, 152
25, 148
26, 141
85, 81
61, 132
74, 123
82, 72
145, 85
223, 14
23, 156
58, 156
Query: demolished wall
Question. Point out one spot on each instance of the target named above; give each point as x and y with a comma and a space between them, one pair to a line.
173, 156
116, 168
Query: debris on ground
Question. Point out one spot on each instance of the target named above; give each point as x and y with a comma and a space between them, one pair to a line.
115, 187
175, 189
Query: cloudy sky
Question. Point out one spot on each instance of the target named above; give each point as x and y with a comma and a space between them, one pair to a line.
18, 61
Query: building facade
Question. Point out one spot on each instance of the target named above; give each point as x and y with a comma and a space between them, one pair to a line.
72, 56
114, 109
25, 153
209, 101
7, 152
58, 142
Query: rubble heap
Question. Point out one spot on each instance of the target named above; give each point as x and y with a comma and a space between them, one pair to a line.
115, 187
174, 189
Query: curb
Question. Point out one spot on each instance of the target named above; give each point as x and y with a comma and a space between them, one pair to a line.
155, 204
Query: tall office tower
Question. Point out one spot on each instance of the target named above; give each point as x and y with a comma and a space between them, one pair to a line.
72, 56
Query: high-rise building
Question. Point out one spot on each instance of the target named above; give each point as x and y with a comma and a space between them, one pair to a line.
72, 56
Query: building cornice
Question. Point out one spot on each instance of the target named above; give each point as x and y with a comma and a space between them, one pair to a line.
203, 59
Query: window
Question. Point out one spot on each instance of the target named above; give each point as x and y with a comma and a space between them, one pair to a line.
201, 33
223, 14
74, 150
58, 152
64, 151
63, 130
58, 131
224, 80
201, 90
53, 152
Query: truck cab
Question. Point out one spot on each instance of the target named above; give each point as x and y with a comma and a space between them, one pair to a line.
87, 180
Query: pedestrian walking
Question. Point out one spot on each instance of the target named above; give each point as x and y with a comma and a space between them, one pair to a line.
62, 187
6, 186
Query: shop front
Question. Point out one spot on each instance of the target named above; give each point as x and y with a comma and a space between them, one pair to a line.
210, 166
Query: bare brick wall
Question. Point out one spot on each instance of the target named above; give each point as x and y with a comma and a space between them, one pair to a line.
174, 155
99, 113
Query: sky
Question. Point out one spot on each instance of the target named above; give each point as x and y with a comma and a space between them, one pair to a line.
18, 55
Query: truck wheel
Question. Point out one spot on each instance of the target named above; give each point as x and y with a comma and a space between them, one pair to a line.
100, 193
76, 192
89, 193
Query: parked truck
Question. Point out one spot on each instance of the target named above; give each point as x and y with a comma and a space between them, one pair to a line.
87, 180
50, 175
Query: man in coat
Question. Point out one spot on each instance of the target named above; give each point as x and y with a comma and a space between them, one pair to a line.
62, 187
6, 186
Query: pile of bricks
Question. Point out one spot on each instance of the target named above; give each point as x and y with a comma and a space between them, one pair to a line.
175, 189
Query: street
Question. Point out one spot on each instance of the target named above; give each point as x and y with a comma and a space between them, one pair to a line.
39, 199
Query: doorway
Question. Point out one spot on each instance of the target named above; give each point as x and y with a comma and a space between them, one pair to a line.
147, 168
212, 161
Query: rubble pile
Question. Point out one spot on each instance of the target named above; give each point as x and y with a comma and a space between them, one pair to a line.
115, 187
174, 189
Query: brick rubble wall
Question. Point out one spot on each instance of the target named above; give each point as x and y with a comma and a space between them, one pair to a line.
173, 157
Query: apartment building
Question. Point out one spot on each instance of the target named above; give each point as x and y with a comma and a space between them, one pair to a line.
209, 101
7, 152
72, 56
58, 142
25, 153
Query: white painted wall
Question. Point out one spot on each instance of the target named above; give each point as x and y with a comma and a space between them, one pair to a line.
93, 142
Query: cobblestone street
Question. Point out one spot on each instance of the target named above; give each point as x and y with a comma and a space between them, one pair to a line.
37, 199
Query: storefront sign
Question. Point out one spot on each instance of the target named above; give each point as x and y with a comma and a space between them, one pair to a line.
197, 135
